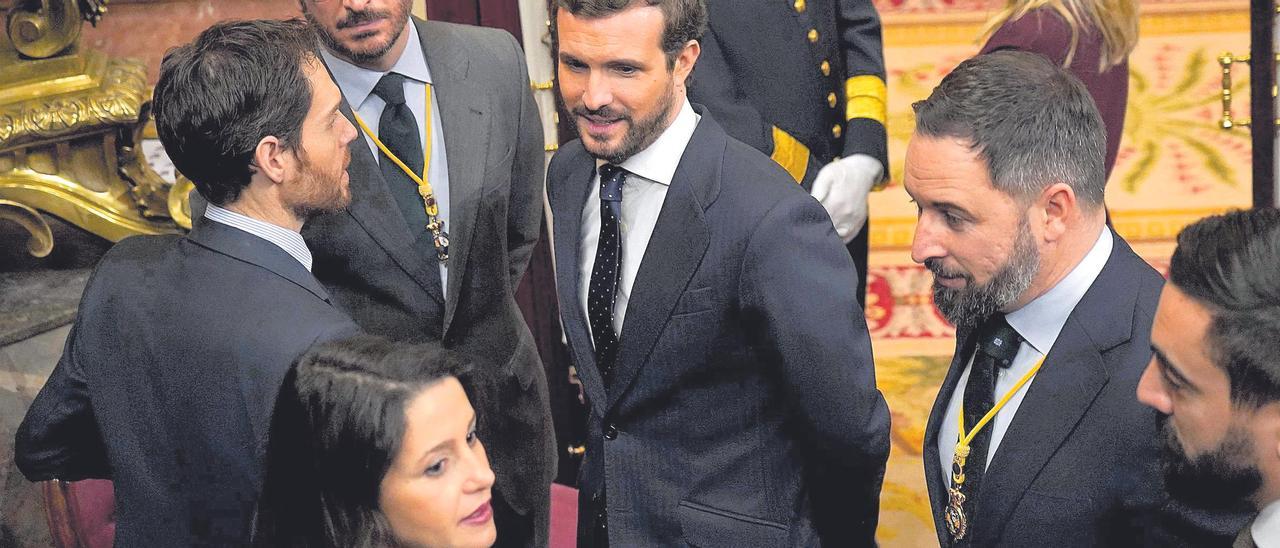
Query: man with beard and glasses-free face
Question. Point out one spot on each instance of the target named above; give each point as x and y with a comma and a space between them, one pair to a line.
433, 250
1215, 376
709, 308
171, 370
1035, 438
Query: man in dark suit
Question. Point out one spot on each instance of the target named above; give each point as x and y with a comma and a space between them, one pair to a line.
453, 104
171, 369
1053, 313
708, 308
1214, 379
803, 81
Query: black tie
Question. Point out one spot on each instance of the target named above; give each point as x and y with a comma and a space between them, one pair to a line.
997, 345
398, 129
606, 271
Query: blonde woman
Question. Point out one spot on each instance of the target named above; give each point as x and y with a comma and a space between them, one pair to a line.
1090, 38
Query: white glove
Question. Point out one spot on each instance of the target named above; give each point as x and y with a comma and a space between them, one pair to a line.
842, 187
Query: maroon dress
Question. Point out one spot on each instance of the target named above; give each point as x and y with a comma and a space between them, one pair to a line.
1043, 31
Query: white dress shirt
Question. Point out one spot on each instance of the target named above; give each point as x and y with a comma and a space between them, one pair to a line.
643, 192
1039, 323
291, 242
357, 85
1266, 527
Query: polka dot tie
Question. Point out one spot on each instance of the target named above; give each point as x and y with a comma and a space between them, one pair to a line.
605, 273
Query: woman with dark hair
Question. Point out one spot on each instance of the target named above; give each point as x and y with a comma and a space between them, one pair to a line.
373, 443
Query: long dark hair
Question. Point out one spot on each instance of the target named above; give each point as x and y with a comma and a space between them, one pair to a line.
337, 427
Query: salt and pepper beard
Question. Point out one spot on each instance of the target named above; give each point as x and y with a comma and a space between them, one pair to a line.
969, 305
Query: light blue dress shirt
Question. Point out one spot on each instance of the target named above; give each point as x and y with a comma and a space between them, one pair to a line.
357, 85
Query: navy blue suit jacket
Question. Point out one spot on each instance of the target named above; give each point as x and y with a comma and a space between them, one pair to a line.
1079, 464
169, 377
743, 409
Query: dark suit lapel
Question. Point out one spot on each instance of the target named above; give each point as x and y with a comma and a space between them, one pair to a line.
254, 250
675, 250
375, 210
567, 225
933, 471
1073, 374
464, 115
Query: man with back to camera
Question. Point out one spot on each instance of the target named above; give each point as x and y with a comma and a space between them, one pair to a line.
1214, 379
171, 369
433, 250
1035, 438
709, 309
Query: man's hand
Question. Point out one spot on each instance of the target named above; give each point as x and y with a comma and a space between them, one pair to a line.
842, 187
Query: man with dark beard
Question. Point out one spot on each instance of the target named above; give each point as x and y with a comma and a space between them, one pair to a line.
446, 206
1035, 438
1215, 377
709, 307
172, 367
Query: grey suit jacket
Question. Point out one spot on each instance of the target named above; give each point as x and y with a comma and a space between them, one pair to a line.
1079, 464
743, 410
367, 256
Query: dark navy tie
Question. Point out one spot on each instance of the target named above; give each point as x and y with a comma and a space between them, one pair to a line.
606, 271
398, 129
997, 346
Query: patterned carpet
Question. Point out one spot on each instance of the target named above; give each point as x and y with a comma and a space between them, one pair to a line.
1175, 165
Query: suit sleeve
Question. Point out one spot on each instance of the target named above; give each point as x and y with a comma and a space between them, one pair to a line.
797, 280
524, 218
866, 97
59, 437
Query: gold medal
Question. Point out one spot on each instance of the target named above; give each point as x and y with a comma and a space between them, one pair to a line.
957, 525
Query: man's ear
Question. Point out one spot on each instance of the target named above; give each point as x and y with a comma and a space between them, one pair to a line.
271, 159
685, 61
1058, 205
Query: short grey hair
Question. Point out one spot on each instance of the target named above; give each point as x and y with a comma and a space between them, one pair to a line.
1033, 122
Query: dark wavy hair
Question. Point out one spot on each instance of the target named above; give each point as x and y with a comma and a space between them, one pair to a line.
220, 95
1231, 264
338, 424
683, 20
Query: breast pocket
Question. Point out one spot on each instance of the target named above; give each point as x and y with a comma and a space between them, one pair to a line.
694, 301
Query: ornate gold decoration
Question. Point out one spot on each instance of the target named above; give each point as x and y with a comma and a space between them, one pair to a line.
41, 241
790, 153
70, 124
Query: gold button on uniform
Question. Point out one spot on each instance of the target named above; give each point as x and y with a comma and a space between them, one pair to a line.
799, 5
831, 100
835, 131
826, 68
813, 35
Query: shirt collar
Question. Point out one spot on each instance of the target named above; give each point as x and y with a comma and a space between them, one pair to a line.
291, 242
357, 82
1040, 321
1266, 527
658, 161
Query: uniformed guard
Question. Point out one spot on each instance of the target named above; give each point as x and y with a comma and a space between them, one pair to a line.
803, 81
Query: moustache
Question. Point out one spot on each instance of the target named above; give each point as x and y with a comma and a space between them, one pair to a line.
606, 113
936, 267
355, 18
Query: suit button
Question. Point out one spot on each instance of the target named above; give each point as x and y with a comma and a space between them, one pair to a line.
826, 68
799, 5
813, 36
835, 131
610, 432
831, 100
